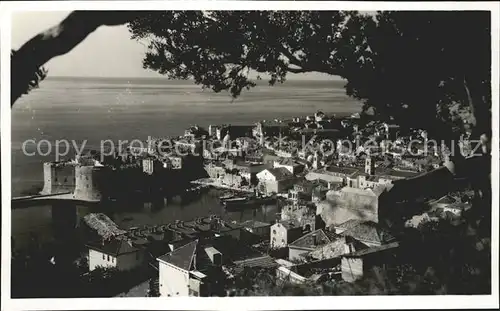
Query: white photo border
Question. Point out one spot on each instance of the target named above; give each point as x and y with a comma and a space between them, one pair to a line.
238, 303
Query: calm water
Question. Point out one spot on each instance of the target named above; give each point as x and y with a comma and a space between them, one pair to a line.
93, 110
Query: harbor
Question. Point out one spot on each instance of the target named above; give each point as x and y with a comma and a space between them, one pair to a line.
217, 184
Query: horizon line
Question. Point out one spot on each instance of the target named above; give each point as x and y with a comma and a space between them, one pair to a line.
166, 78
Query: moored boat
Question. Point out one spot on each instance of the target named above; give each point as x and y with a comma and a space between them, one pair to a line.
248, 202
235, 200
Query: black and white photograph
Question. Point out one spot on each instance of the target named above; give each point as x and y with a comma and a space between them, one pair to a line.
273, 150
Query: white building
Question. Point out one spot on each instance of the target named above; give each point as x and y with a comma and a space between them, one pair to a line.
179, 270
283, 233
275, 180
120, 254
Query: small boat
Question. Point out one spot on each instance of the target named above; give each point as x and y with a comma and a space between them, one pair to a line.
236, 200
248, 202
226, 196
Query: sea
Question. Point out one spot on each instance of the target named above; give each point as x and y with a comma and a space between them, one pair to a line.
87, 111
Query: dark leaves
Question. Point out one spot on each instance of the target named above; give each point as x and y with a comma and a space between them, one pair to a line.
405, 66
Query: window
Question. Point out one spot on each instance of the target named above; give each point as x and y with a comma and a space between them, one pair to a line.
103, 257
274, 231
108, 257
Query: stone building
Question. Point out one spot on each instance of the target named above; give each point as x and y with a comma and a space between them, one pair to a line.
355, 265
115, 253
284, 232
289, 164
364, 202
275, 180
309, 242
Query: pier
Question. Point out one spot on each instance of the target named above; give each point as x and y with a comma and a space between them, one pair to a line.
25, 201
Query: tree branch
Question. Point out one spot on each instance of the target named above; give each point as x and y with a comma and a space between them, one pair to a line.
57, 41
292, 59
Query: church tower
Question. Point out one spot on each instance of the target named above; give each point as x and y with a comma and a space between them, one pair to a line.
369, 166
316, 163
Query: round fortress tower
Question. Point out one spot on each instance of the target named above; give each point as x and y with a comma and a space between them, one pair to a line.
58, 177
89, 183
47, 178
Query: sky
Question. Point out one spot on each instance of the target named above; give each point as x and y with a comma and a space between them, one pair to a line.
107, 52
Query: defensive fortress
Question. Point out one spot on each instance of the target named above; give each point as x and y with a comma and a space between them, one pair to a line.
84, 178
129, 177
89, 184
58, 177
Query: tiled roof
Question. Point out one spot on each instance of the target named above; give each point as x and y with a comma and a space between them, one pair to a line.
446, 200
307, 241
265, 261
369, 232
395, 173
104, 226
332, 236
181, 257
372, 250
114, 247
343, 170
280, 172
348, 224
254, 224
330, 250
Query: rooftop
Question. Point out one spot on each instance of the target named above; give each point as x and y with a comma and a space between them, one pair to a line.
288, 162
447, 199
348, 224
265, 261
114, 247
369, 232
342, 170
289, 224
268, 123
280, 173
104, 226
372, 250
181, 257
396, 173
315, 238
330, 250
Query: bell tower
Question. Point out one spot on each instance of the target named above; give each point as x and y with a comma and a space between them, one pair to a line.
369, 166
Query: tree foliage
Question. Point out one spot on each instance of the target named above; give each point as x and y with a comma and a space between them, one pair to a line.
410, 67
